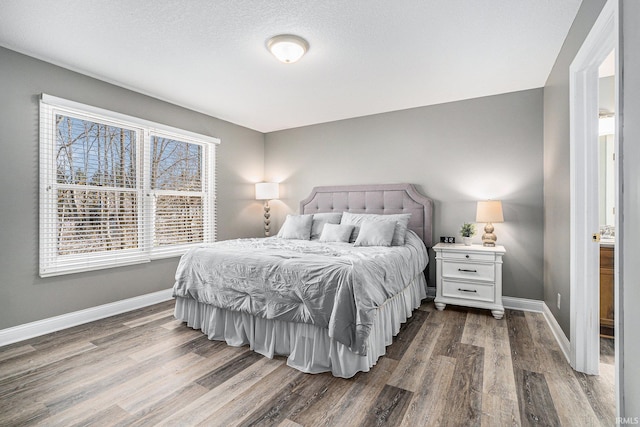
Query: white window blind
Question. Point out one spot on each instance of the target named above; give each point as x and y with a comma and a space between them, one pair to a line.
116, 190
180, 186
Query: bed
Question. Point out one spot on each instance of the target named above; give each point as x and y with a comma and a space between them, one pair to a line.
328, 306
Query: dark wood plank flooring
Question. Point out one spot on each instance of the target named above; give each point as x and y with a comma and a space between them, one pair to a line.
458, 367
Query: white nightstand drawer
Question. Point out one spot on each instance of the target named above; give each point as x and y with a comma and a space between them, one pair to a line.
463, 270
468, 256
468, 291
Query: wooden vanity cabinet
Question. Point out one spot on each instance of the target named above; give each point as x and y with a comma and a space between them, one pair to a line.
606, 292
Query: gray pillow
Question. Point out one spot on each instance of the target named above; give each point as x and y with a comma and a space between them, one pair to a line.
336, 232
320, 219
401, 223
376, 233
296, 227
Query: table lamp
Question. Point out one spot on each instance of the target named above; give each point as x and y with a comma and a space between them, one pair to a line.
489, 211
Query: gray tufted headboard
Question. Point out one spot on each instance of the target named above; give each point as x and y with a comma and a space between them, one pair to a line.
375, 199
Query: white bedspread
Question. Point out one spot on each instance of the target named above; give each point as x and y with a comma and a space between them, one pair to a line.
330, 285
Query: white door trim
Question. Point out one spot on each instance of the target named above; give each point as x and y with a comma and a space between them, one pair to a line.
584, 256
584, 261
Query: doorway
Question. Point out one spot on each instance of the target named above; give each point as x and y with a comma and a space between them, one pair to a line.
601, 43
606, 213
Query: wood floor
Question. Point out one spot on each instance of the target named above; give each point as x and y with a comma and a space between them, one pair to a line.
459, 367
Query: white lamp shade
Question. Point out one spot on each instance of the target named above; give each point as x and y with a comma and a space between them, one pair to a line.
267, 190
489, 211
287, 48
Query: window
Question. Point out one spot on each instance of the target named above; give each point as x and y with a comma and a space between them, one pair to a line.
116, 190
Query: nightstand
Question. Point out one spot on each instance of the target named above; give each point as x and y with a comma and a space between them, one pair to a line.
470, 276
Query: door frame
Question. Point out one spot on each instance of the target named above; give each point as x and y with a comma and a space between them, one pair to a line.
584, 253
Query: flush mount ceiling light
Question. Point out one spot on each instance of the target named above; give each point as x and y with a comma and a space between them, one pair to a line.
287, 48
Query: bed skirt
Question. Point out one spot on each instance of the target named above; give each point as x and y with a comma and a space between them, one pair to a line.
309, 348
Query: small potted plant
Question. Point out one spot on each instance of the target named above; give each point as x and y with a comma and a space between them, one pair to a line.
467, 231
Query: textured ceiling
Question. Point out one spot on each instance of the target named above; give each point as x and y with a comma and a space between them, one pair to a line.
365, 57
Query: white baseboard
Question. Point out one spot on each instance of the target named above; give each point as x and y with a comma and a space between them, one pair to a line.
562, 339
538, 306
523, 304
57, 323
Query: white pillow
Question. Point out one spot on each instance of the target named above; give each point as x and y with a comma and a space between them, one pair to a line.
336, 232
401, 223
376, 233
319, 221
296, 227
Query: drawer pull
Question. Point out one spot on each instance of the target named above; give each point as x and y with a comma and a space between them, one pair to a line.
467, 256
467, 290
467, 271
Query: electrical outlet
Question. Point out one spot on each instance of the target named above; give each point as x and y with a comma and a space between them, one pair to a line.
558, 304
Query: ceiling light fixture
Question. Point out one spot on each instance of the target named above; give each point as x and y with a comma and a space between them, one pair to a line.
287, 48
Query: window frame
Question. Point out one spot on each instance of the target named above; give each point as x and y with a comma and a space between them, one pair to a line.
50, 262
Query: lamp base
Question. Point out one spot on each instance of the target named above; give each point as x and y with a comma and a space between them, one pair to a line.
267, 220
488, 238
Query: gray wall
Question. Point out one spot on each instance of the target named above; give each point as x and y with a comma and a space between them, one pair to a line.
630, 157
24, 297
556, 166
456, 153
556, 186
